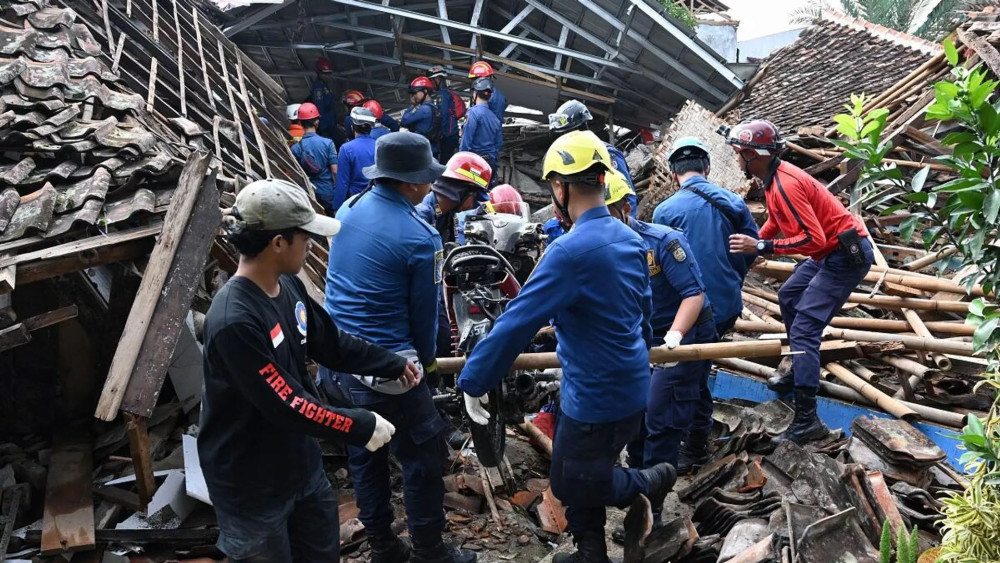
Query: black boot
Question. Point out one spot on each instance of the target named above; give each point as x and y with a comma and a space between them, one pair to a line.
661, 477
590, 548
431, 549
806, 426
783, 381
389, 548
694, 453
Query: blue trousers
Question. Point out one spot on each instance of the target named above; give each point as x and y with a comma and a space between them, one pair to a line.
449, 145
259, 526
583, 474
418, 445
810, 298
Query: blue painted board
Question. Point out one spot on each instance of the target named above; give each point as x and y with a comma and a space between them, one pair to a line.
834, 413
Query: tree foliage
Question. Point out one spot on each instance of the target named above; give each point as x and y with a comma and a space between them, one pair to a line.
901, 15
680, 13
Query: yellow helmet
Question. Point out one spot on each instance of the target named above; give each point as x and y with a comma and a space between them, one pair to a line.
575, 152
616, 188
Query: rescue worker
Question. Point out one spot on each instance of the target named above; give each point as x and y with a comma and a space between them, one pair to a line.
323, 99
350, 100
449, 112
384, 122
382, 284
423, 116
318, 157
355, 156
813, 222
260, 415
594, 282
483, 133
679, 398
498, 102
574, 116
707, 214
295, 130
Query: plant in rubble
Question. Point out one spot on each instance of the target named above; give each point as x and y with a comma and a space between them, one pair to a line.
907, 549
680, 13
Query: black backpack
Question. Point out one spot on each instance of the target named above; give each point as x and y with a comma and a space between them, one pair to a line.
434, 133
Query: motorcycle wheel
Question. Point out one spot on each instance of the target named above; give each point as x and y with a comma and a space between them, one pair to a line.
490, 439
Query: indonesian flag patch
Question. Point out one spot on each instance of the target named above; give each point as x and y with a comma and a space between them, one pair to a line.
277, 336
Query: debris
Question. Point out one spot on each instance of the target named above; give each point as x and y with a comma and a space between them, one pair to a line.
551, 513
68, 524
840, 534
194, 479
742, 537
638, 525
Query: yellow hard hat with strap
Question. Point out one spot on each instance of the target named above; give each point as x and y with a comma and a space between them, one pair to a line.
574, 153
616, 188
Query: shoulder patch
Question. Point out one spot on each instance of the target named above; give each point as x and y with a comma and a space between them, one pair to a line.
654, 268
675, 248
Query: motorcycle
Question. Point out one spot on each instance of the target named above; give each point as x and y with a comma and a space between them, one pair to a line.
480, 279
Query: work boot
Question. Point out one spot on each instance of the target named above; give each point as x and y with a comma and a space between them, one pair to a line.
694, 452
389, 548
661, 477
783, 381
806, 426
590, 548
440, 552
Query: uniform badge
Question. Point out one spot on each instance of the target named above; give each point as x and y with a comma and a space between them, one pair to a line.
654, 268
438, 266
277, 335
301, 320
677, 250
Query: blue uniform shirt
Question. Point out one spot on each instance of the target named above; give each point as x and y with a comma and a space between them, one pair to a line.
321, 96
449, 123
390, 125
483, 133
673, 272
595, 283
708, 230
316, 155
443, 223
618, 161
498, 103
354, 157
379, 131
382, 283
420, 119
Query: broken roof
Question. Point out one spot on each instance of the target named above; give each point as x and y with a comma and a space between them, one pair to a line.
807, 82
626, 58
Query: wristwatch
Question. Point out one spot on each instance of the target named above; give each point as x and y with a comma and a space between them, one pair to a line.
764, 247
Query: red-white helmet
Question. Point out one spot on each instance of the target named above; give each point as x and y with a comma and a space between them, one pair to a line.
506, 199
437, 71
480, 69
324, 65
374, 107
352, 98
469, 167
759, 136
308, 111
421, 83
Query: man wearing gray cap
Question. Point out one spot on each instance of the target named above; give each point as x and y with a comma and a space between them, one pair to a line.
260, 414
382, 285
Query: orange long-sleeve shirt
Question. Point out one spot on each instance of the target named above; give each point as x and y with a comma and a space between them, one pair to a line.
809, 216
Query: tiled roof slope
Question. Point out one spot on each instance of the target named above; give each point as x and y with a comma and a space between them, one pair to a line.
71, 153
807, 82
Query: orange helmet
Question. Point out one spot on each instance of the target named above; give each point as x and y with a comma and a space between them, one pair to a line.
308, 111
421, 83
480, 69
352, 98
374, 107
469, 167
506, 199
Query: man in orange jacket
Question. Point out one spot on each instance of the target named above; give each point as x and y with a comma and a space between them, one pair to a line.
812, 221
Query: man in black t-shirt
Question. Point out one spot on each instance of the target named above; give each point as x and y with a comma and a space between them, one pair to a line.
260, 416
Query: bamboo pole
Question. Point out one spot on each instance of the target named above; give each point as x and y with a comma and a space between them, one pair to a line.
537, 436
772, 297
877, 325
915, 280
658, 355
911, 342
884, 402
772, 308
925, 261
771, 323
929, 414
896, 302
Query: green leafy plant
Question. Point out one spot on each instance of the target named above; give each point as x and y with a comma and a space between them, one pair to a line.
930, 19
679, 12
907, 549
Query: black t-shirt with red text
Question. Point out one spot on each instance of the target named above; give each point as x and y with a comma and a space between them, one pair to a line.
260, 414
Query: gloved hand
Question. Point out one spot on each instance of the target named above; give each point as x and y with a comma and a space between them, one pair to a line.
474, 406
383, 432
672, 339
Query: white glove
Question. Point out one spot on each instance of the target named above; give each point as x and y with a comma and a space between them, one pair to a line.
383, 432
672, 339
474, 406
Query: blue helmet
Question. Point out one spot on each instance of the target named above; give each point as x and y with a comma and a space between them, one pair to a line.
688, 147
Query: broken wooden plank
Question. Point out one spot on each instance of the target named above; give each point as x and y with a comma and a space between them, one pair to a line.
14, 336
174, 224
142, 457
119, 496
68, 520
172, 303
8, 276
51, 318
182, 537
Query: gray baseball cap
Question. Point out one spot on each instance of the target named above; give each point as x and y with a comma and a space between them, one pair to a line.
276, 205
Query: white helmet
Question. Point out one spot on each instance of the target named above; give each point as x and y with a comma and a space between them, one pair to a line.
362, 116
292, 112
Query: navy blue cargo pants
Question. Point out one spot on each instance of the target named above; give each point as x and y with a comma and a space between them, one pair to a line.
811, 297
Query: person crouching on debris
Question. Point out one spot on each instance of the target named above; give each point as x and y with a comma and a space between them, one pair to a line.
815, 223
679, 407
382, 283
595, 283
318, 158
260, 414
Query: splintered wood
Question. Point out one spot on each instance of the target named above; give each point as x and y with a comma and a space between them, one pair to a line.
68, 520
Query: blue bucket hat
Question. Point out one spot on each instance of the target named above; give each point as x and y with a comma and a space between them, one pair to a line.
405, 157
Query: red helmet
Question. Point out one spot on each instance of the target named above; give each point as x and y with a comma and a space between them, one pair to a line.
759, 136
421, 83
480, 69
308, 111
324, 65
374, 107
469, 167
506, 199
352, 98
